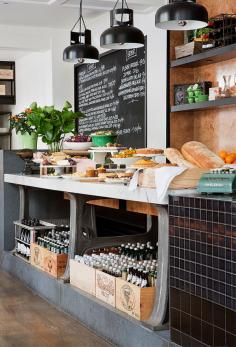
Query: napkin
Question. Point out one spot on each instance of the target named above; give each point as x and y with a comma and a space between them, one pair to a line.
163, 178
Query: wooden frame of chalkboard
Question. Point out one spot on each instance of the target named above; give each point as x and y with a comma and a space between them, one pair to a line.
130, 139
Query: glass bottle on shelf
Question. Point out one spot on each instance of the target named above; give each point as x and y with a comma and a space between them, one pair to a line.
227, 90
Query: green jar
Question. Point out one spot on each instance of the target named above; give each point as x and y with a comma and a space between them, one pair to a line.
27, 141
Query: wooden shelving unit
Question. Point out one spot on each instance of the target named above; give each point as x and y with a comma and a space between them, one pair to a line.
10, 84
224, 102
212, 122
211, 56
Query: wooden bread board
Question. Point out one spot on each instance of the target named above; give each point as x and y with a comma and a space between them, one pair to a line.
187, 180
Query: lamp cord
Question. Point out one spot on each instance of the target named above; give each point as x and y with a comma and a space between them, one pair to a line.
80, 20
124, 3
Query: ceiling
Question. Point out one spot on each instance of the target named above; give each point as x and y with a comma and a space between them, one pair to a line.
61, 13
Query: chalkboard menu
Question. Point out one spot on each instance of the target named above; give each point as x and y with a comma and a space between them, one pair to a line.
112, 95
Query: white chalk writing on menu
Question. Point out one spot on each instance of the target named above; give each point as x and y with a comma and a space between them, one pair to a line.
108, 91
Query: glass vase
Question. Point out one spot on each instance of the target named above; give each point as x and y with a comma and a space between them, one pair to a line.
227, 80
55, 146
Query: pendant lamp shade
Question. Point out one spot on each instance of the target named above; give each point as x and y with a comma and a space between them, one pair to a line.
181, 15
122, 34
80, 49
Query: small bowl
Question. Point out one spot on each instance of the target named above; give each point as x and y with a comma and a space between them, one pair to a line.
202, 98
77, 146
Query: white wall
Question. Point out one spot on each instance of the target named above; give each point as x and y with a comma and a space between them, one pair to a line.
156, 72
34, 82
44, 77
41, 74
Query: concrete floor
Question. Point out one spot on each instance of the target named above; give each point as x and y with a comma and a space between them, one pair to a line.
26, 320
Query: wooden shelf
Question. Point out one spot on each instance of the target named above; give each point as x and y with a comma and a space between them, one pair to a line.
204, 105
211, 56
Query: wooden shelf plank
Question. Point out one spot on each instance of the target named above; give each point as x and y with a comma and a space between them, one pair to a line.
211, 56
205, 105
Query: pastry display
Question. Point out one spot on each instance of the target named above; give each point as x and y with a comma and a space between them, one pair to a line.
199, 154
149, 151
127, 153
143, 163
175, 157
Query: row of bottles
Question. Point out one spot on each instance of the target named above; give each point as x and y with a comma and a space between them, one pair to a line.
31, 222
137, 267
23, 250
56, 240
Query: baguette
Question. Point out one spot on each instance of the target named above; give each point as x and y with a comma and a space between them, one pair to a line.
175, 157
198, 154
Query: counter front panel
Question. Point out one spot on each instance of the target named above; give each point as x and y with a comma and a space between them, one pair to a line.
203, 271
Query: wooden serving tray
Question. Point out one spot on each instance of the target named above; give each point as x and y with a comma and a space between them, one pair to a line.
187, 180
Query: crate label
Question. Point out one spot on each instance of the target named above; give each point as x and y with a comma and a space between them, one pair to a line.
105, 288
127, 298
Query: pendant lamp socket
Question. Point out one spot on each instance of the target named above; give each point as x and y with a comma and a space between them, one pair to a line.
80, 49
122, 34
181, 15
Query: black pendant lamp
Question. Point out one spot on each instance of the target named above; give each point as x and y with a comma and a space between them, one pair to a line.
182, 15
81, 50
122, 34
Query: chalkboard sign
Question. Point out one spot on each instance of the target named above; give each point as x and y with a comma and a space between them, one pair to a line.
112, 95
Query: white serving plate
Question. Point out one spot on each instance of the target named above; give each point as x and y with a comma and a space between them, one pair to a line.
124, 161
108, 148
77, 146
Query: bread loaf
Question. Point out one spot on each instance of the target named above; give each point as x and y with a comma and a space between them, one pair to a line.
198, 154
175, 157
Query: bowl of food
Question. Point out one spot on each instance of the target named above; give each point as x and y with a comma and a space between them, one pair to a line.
78, 143
102, 138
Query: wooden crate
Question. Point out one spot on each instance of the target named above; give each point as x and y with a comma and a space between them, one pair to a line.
135, 301
37, 255
106, 288
52, 263
6, 74
188, 49
82, 277
2, 89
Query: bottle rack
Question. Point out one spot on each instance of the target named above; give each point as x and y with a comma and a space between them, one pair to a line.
22, 246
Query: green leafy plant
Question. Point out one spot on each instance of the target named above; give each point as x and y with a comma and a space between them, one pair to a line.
53, 124
20, 122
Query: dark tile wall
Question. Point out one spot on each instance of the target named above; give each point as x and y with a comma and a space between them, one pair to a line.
203, 271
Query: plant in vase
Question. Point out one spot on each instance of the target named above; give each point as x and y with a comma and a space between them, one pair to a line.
25, 131
53, 124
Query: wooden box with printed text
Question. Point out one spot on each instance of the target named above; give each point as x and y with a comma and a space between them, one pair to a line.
106, 288
133, 300
6, 74
37, 255
52, 263
82, 277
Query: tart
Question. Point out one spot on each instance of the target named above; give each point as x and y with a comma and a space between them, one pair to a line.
125, 175
143, 163
149, 151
